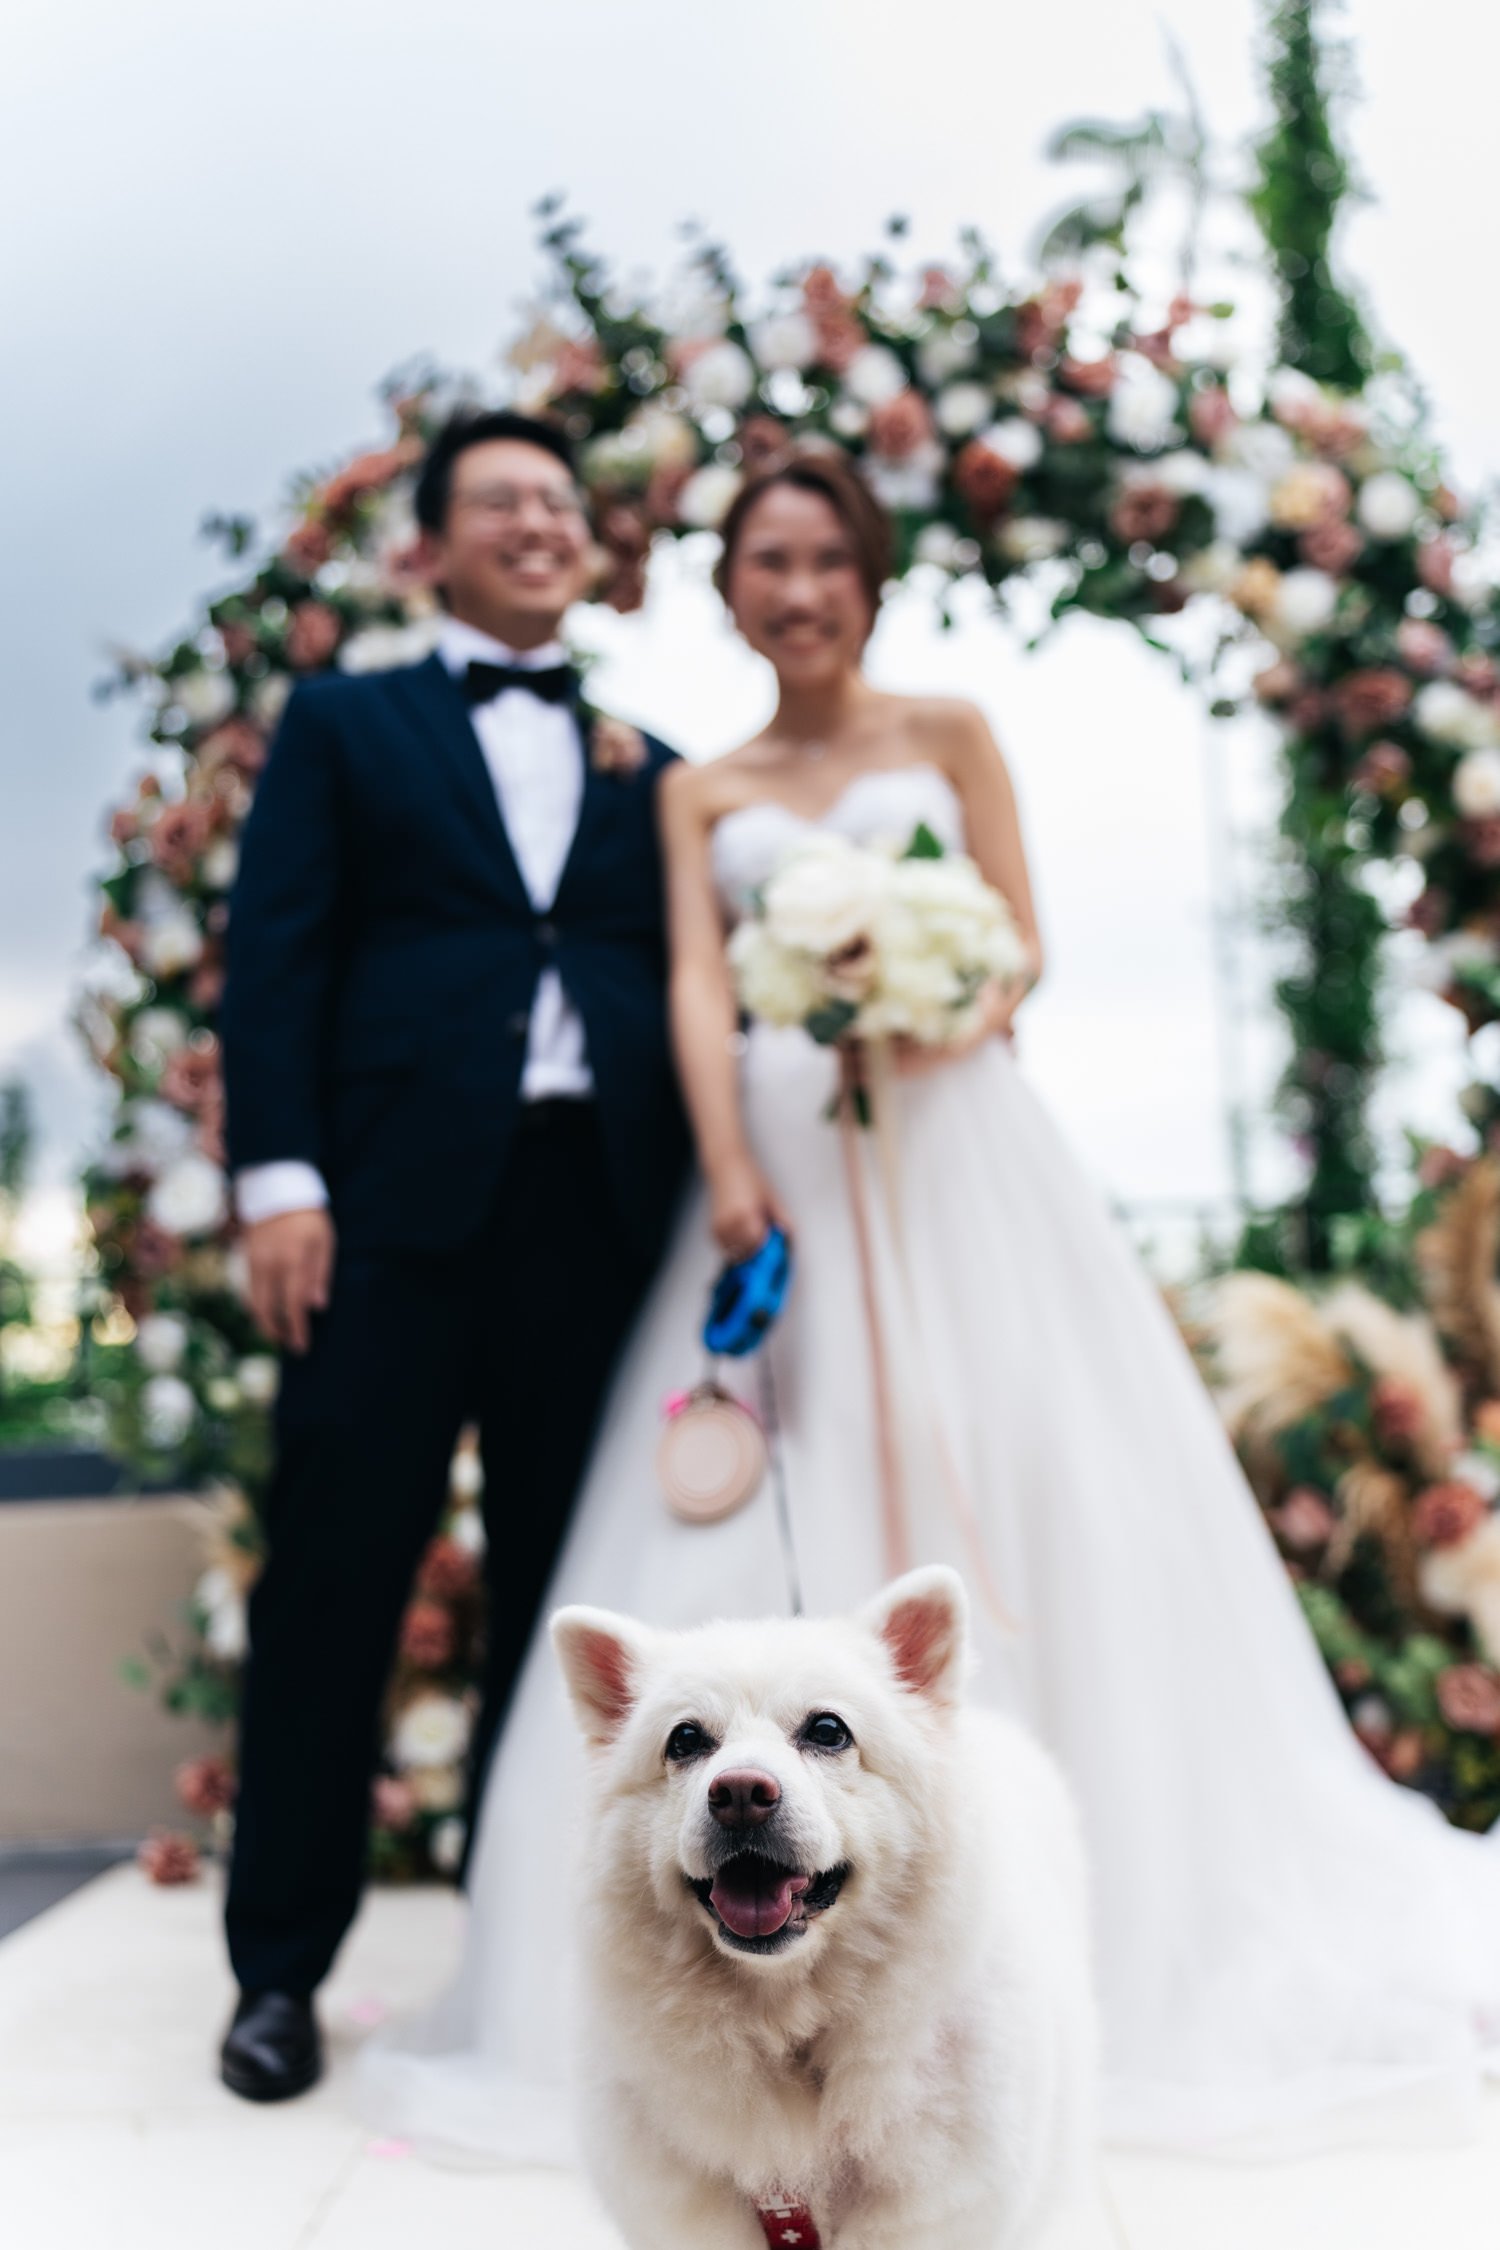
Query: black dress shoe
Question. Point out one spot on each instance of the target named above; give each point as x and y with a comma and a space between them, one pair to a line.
272, 2050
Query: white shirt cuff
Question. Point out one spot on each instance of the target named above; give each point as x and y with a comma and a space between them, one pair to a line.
268, 1191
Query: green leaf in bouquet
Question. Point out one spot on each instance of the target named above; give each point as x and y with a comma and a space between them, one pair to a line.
829, 1023
924, 845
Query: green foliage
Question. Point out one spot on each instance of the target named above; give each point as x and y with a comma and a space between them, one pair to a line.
1303, 178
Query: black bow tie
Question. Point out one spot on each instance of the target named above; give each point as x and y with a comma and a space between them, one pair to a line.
482, 682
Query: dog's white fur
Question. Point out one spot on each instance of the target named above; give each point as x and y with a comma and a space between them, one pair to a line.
917, 2065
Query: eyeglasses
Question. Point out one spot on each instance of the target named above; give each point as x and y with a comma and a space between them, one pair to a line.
504, 502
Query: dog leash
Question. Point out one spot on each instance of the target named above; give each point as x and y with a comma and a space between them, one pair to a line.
770, 1422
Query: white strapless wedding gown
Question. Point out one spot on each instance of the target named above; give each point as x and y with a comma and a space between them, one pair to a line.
1291, 1950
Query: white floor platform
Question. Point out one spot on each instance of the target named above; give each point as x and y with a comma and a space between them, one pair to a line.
114, 2134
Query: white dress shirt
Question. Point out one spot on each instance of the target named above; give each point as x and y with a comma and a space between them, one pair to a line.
535, 757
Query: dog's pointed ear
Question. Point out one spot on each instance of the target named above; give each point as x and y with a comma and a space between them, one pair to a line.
601, 1657
922, 1620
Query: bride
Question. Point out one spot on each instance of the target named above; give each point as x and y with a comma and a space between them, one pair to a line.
1291, 1950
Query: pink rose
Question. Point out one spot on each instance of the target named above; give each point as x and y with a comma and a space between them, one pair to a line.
124, 827
1370, 699
1435, 561
900, 426
1478, 673
1211, 415
393, 1803
1396, 1410
236, 744
1429, 912
239, 641
427, 1636
940, 292
1334, 547
168, 1858
312, 636
1445, 1514
1441, 1167
1383, 769
985, 482
190, 1077
579, 367
1481, 839
447, 1571
1469, 1698
179, 835
366, 473
1406, 1756
1067, 422
1424, 647
1143, 511
1304, 1521
308, 546
1090, 378
1277, 683
1042, 320
205, 1785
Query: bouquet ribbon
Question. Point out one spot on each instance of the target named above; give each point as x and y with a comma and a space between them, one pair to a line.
863, 1094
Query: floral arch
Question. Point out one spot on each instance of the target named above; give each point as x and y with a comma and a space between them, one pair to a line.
1065, 436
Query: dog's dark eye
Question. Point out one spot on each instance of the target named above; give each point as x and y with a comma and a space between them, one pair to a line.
689, 1741
825, 1730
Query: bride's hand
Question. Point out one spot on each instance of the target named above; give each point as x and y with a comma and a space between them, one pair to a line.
993, 1018
743, 1208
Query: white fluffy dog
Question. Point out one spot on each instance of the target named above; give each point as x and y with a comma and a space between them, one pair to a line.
836, 1956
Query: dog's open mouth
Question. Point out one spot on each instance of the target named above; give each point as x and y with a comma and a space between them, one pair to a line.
761, 1906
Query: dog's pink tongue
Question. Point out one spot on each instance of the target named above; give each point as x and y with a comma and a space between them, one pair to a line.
755, 1899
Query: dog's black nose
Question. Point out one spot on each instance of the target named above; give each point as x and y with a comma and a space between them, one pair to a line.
743, 1800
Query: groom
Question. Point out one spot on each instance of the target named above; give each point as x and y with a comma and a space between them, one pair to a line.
457, 1143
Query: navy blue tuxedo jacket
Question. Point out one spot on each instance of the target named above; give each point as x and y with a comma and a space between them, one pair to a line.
383, 956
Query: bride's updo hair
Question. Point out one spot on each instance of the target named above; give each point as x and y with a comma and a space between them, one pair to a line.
834, 478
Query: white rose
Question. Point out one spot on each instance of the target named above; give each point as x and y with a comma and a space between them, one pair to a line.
1028, 539
445, 1845
1388, 505
155, 1034
668, 440
722, 376
1214, 569
1142, 411
171, 945
433, 1730
1240, 500
825, 895
221, 863
912, 484
1476, 784
223, 1394
775, 985
1262, 447
939, 544
1443, 960
466, 1530
159, 1134
874, 375
380, 648
223, 1606
268, 698
1186, 474
1446, 713
1291, 393
160, 1341
168, 1408
1473, 580
1014, 440
206, 697
786, 340
706, 498
190, 1197
961, 408
1305, 603
944, 354
848, 419
466, 1475
1478, 1470
259, 1378
438, 1789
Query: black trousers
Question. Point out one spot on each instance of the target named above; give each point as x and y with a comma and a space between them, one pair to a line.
519, 1329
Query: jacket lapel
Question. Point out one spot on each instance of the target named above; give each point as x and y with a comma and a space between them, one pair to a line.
434, 702
600, 793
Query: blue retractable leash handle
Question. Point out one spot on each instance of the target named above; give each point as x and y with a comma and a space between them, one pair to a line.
747, 1300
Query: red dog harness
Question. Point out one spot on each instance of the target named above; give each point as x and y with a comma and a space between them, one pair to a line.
789, 2226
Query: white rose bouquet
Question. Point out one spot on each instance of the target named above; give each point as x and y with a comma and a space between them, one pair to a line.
860, 945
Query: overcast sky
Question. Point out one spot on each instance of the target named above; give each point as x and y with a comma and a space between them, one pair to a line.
223, 227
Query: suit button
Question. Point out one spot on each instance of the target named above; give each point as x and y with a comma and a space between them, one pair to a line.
519, 1024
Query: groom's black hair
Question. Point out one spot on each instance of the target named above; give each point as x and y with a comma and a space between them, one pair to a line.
474, 426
